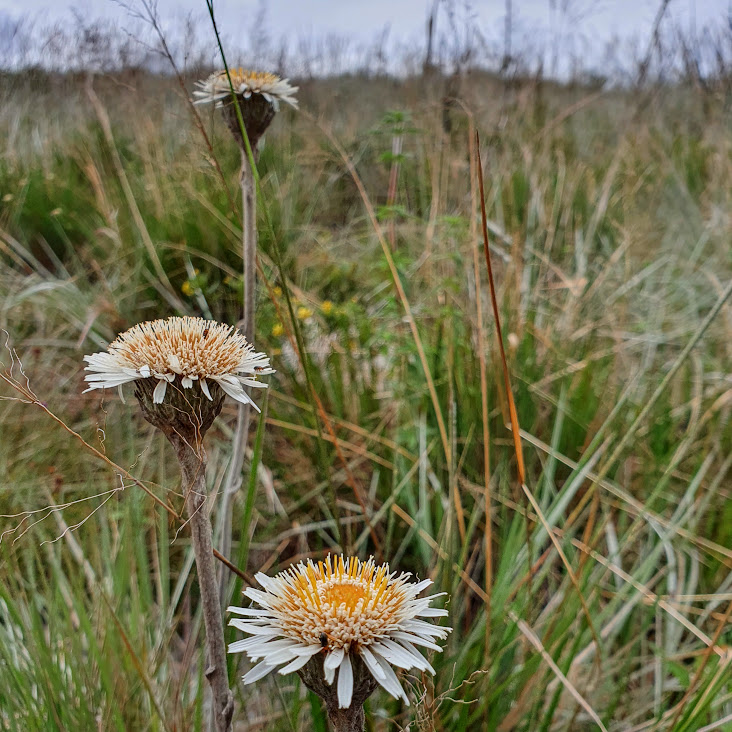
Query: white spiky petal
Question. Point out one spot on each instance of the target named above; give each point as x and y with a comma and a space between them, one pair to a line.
352, 607
196, 350
245, 83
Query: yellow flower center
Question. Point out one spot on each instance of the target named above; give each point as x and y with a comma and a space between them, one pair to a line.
353, 603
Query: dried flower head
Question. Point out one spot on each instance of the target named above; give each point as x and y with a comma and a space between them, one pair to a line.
246, 83
184, 351
341, 615
258, 93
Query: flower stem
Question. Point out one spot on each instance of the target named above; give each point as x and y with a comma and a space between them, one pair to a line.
193, 469
352, 719
246, 325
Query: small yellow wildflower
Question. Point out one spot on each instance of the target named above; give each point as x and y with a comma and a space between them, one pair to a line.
277, 291
187, 288
277, 330
327, 307
304, 313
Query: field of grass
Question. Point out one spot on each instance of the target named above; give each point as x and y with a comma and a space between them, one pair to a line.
606, 595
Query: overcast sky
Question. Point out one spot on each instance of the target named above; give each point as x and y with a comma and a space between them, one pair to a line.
589, 23
363, 17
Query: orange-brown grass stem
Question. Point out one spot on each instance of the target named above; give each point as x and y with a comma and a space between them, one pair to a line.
487, 532
494, 303
515, 428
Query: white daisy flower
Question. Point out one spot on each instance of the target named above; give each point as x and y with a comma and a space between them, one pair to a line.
359, 616
245, 83
190, 350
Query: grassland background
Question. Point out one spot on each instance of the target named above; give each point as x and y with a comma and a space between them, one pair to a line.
610, 220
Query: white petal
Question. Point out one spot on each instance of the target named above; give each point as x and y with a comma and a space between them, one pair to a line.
174, 363
271, 584
329, 675
371, 663
417, 659
274, 652
424, 584
250, 611
253, 382
159, 393
394, 654
104, 361
390, 681
284, 656
249, 626
258, 596
299, 662
428, 598
235, 391
258, 672
145, 371
204, 389
421, 628
187, 382
345, 683
418, 639
432, 612
101, 381
426, 665
334, 659
243, 645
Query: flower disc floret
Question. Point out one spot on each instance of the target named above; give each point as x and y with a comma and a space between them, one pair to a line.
341, 608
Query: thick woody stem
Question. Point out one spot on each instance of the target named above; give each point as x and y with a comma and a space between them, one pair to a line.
246, 325
193, 467
352, 719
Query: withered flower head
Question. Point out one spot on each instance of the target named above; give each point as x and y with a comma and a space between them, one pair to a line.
341, 615
184, 351
246, 83
259, 94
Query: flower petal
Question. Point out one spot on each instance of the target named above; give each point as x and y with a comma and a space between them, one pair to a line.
334, 659
258, 672
159, 393
299, 662
390, 682
345, 683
